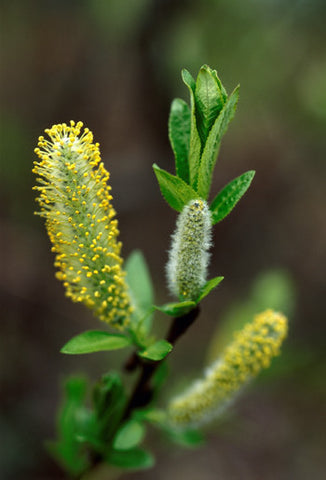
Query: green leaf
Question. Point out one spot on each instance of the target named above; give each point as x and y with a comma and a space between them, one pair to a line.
140, 289
229, 196
70, 423
129, 435
152, 415
107, 392
109, 401
209, 101
209, 155
210, 285
186, 438
179, 135
220, 85
176, 309
159, 378
140, 328
175, 191
95, 341
195, 144
87, 428
157, 351
135, 459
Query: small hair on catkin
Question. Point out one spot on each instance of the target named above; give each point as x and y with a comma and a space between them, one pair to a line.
252, 350
75, 201
186, 269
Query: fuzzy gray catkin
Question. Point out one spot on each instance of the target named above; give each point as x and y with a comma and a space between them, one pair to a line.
188, 257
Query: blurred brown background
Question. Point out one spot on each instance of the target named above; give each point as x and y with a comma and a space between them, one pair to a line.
116, 66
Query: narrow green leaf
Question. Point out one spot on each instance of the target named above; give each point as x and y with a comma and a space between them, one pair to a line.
87, 428
152, 415
159, 378
70, 423
179, 135
140, 289
188, 79
95, 341
107, 393
175, 191
220, 85
135, 459
140, 327
139, 280
230, 195
209, 155
209, 102
176, 309
195, 144
186, 438
109, 399
210, 285
157, 351
129, 435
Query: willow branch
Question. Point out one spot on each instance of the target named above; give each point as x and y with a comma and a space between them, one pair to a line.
143, 391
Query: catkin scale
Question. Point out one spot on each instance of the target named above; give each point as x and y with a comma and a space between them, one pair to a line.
186, 269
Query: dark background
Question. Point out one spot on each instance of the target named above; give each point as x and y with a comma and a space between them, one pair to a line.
116, 65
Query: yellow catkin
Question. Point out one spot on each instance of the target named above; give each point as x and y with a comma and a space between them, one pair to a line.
252, 350
75, 201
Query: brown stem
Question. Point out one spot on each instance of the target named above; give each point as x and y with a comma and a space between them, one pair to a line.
143, 391
180, 325
132, 363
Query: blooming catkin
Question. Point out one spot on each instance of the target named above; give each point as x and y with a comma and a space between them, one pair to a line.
188, 257
75, 201
252, 350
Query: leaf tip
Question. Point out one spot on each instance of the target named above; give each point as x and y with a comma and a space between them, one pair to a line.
65, 349
184, 72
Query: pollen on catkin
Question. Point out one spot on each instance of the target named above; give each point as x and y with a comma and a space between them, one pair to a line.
186, 269
75, 201
251, 350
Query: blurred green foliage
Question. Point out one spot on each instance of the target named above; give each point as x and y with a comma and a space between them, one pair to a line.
273, 289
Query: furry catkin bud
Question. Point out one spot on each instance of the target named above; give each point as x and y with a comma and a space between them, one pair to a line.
188, 257
251, 350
